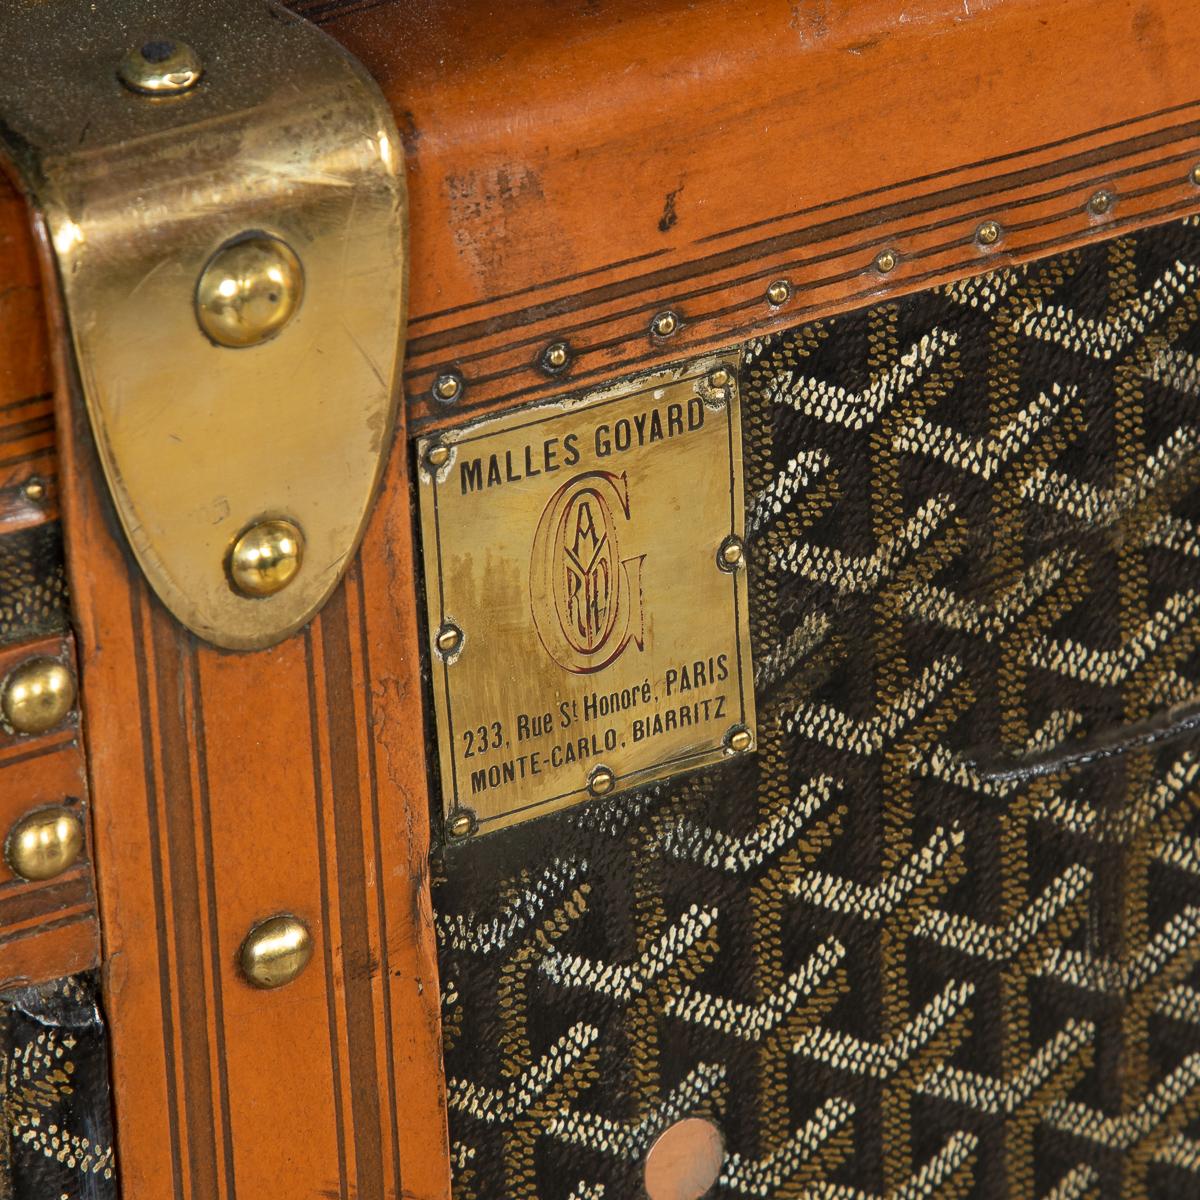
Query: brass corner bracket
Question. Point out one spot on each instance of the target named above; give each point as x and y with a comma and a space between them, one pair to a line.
221, 194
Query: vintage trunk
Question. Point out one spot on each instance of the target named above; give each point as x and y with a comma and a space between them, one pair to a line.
600, 599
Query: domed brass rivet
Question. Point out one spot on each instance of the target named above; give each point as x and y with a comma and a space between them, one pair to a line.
37, 696
249, 290
1194, 175
437, 456
34, 490
266, 558
448, 388
988, 234
1100, 203
556, 357
665, 324
738, 740
685, 1162
601, 781
886, 261
275, 951
732, 554
780, 292
719, 379
449, 639
44, 843
461, 823
161, 67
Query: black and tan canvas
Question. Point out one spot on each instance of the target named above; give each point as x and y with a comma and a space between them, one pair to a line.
940, 935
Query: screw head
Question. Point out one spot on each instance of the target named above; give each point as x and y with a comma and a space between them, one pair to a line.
249, 290
738, 740
886, 261
449, 639
447, 388
988, 234
44, 843
437, 456
556, 357
601, 781
461, 823
665, 324
34, 490
732, 554
1100, 203
37, 695
780, 292
161, 66
275, 951
266, 558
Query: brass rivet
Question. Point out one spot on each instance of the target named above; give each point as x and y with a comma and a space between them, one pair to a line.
780, 292
601, 781
739, 739
555, 357
685, 1162
719, 379
275, 951
44, 843
437, 456
249, 290
732, 554
886, 261
448, 388
34, 490
461, 823
266, 558
988, 234
665, 324
449, 639
38, 695
1100, 203
161, 67
1194, 176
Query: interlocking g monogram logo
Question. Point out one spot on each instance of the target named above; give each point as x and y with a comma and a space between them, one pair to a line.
587, 599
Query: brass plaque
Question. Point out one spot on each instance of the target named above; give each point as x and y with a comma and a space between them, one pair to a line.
586, 585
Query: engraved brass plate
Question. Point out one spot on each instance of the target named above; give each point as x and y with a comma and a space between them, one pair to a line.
587, 597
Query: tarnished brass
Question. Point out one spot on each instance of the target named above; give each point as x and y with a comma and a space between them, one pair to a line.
37, 695
885, 261
161, 66
780, 292
266, 558
665, 324
989, 233
685, 1162
44, 843
578, 546
275, 951
285, 137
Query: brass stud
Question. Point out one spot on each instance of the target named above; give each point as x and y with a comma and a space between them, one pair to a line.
266, 558
738, 740
34, 490
437, 456
780, 292
44, 843
37, 696
732, 554
1194, 175
447, 388
461, 823
275, 951
601, 781
685, 1162
988, 234
886, 261
556, 357
1100, 203
665, 324
249, 290
719, 379
449, 640
161, 67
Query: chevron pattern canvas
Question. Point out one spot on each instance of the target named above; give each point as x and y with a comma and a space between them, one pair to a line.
940, 935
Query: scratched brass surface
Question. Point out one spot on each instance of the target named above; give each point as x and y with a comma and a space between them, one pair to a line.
284, 135
582, 548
